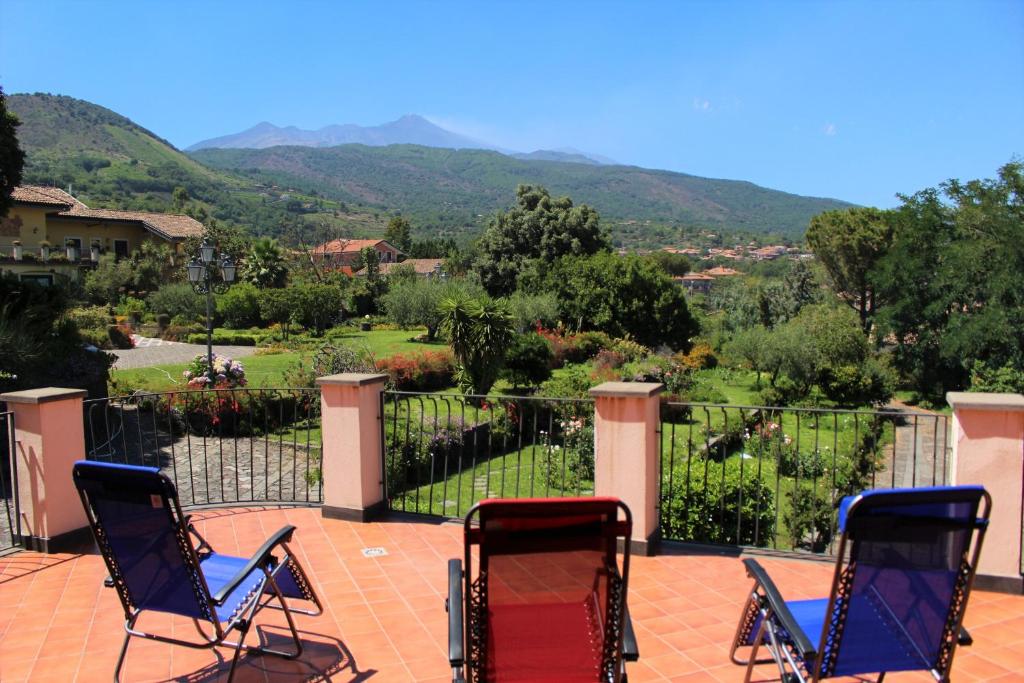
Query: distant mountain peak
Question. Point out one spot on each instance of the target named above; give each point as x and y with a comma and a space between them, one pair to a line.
410, 129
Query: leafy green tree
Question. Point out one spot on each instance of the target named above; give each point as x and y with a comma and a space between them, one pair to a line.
622, 296
12, 158
479, 330
239, 307
530, 309
675, 265
179, 197
105, 283
276, 307
417, 302
228, 239
316, 307
264, 264
399, 233
849, 242
538, 228
177, 300
952, 281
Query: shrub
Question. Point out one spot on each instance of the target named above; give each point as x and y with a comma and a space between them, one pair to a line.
178, 301
418, 452
810, 519
700, 357
705, 506
586, 345
131, 308
239, 307
608, 359
163, 321
223, 337
528, 360
316, 307
329, 359
1005, 379
629, 349
573, 383
422, 371
97, 336
90, 317
227, 373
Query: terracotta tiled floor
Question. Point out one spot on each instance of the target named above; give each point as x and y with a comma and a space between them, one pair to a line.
385, 620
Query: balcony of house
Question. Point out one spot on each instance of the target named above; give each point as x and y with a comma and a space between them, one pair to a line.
376, 481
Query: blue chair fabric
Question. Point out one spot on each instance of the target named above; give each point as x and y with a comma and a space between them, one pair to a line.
905, 564
155, 564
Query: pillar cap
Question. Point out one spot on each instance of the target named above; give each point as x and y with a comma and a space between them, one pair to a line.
628, 389
43, 395
350, 379
965, 400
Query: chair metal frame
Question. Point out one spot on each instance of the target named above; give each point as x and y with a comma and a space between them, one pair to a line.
266, 593
801, 661
462, 613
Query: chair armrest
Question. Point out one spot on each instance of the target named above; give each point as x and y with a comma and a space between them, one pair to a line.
780, 609
260, 558
630, 651
453, 605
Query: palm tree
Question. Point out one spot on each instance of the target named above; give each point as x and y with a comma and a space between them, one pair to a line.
264, 264
479, 331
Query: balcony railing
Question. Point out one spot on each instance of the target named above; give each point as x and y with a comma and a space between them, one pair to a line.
445, 452
10, 520
219, 446
773, 477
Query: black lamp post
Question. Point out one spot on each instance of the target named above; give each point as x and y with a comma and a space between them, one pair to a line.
203, 272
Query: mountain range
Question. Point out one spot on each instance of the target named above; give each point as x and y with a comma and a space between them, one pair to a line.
352, 189
410, 129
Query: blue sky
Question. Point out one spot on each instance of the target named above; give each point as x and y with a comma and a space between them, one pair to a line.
857, 101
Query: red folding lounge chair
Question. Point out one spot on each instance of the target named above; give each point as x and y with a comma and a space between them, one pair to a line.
547, 599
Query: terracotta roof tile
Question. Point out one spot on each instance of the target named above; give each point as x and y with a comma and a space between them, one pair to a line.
50, 196
339, 246
169, 225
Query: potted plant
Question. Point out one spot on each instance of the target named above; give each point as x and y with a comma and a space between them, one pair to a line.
44, 250
95, 251
71, 251
365, 324
17, 250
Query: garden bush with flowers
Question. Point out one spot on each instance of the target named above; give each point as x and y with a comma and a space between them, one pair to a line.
227, 373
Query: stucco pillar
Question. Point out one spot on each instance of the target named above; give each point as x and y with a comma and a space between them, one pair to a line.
626, 416
988, 449
353, 472
49, 437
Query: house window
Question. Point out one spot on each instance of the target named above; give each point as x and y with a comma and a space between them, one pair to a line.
45, 280
121, 248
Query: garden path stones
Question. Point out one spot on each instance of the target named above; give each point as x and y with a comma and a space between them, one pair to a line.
149, 352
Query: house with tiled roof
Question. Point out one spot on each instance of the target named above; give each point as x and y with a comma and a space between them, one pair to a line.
48, 232
721, 271
696, 282
343, 252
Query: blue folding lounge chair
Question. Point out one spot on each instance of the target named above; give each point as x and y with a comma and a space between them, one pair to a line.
905, 563
147, 544
547, 600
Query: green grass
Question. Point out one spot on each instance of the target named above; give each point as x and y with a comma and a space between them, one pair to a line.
265, 371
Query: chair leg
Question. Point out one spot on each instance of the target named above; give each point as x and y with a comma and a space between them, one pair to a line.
243, 631
753, 652
129, 624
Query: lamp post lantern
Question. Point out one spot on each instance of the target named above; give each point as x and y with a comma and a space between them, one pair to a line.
207, 275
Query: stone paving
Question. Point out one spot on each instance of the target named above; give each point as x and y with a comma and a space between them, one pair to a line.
149, 352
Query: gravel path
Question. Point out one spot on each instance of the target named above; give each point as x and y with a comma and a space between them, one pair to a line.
149, 352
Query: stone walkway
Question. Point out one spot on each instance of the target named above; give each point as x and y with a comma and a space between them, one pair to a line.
149, 352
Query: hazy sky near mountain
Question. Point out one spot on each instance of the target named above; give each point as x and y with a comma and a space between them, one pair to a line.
856, 101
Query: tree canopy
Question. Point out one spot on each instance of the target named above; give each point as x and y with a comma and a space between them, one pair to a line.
848, 243
399, 233
12, 158
952, 281
539, 228
623, 296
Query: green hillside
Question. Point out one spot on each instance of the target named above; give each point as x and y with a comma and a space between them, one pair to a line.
352, 190
449, 188
111, 162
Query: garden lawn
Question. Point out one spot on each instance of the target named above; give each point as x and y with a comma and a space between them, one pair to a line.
267, 371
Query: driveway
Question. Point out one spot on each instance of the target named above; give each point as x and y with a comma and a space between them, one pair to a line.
149, 352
